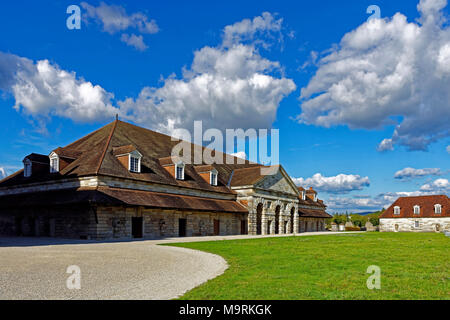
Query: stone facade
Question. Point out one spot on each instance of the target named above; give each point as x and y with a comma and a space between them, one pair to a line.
415, 224
115, 223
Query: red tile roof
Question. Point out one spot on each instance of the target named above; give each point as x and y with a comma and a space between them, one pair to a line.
426, 204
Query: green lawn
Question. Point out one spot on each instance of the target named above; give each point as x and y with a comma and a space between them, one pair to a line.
413, 266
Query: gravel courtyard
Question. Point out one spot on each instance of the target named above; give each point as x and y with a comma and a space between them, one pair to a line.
35, 268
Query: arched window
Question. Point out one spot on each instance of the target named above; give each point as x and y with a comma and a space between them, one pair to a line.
396, 210
416, 209
54, 163
437, 209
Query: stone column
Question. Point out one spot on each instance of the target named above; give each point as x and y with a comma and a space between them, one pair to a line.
296, 221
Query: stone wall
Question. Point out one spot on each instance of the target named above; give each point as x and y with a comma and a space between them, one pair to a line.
312, 224
66, 222
116, 222
409, 224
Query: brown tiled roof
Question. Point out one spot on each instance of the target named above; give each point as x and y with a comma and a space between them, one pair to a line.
95, 156
67, 153
311, 190
247, 176
426, 204
116, 196
34, 157
310, 213
117, 151
301, 188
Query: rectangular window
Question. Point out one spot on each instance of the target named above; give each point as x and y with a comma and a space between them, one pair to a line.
416, 224
180, 173
416, 210
396, 210
134, 164
437, 209
213, 179
54, 165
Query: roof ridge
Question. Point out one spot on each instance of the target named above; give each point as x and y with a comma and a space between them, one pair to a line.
106, 147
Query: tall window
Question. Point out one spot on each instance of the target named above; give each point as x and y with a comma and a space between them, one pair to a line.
416, 224
213, 178
396, 210
134, 164
54, 164
437, 209
179, 171
27, 168
416, 209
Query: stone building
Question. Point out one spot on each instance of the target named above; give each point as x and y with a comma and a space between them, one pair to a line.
417, 214
122, 182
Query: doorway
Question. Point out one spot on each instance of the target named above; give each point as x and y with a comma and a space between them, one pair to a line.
216, 227
137, 224
259, 211
277, 220
244, 229
182, 223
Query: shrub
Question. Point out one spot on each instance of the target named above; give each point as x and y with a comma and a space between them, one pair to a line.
352, 229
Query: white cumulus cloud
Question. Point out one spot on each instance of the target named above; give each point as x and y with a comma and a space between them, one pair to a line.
114, 18
3, 173
223, 86
437, 186
134, 41
387, 72
231, 86
42, 89
342, 183
416, 173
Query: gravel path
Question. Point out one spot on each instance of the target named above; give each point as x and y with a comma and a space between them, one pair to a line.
35, 268
125, 270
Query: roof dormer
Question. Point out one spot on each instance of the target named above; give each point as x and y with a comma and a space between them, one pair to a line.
35, 164
129, 157
208, 173
174, 166
311, 194
397, 210
61, 158
416, 209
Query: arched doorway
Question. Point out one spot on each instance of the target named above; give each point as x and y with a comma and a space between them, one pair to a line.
259, 211
277, 220
292, 220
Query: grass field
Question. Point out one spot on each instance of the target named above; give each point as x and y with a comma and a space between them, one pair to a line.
413, 266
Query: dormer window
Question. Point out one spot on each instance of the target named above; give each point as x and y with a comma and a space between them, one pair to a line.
129, 157
437, 209
135, 162
54, 163
397, 210
179, 171
303, 195
315, 198
416, 209
213, 177
27, 168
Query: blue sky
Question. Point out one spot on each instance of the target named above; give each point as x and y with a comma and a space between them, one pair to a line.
336, 86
